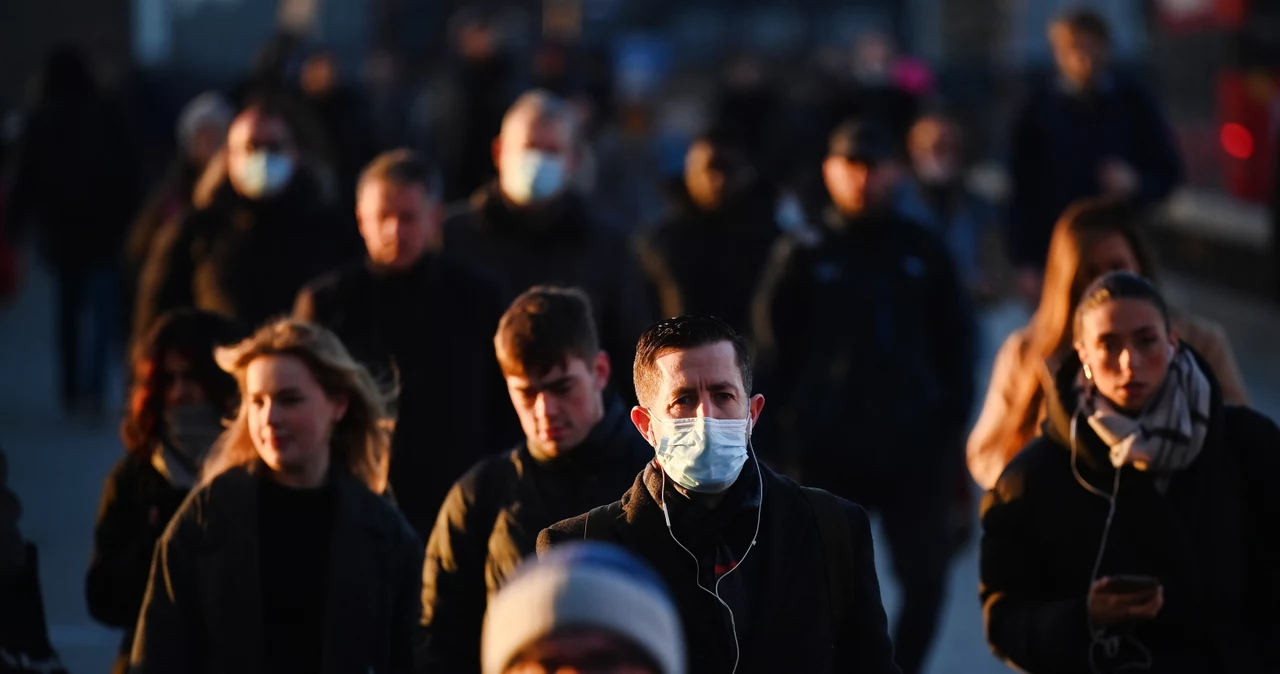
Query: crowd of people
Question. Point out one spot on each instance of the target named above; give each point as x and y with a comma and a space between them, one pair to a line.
435, 409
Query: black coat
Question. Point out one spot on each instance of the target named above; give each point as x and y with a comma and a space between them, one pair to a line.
432, 327
137, 504
780, 594
876, 300
490, 523
203, 611
243, 258
562, 244
1211, 539
702, 262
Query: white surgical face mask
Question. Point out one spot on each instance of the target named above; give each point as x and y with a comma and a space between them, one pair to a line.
533, 177
702, 454
264, 174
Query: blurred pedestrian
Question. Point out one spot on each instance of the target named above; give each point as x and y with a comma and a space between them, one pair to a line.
585, 607
706, 257
1088, 132
938, 197
390, 310
784, 577
265, 230
75, 171
286, 558
871, 90
1093, 237
528, 228
1139, 532
870, 329
343, 112
179, 400
580, 451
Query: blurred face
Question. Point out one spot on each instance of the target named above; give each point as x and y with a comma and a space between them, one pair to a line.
558, 409
290, 419
934, 152
586, 651
180, 385
534, 157
399, 223
252, 134
855, 186
319, 75
1128, 349
205, 142
1108, 254
700, 382
1079, 55
714, 176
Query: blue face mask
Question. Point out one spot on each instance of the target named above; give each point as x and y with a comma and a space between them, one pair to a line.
264, 174
702, 454
535, 177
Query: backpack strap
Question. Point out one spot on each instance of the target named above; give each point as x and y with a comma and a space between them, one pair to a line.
837, 547
599, 523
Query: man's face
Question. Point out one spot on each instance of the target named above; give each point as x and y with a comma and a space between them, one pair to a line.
713, 175
856, 186
1080, 55
523, 179
559, 408
934, 150
399, 222
251, 133
319, 75
704, 381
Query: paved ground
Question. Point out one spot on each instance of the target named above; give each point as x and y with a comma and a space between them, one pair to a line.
58, 467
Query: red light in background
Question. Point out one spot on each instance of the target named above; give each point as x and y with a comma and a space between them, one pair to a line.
1236, 140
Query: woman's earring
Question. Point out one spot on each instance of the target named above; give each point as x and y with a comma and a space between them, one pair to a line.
1088, 374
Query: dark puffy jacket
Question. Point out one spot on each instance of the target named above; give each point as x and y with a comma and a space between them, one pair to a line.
870, 335
243, 258
12, 545
490, 523
137, 504
1211, 539
430, 330
780, 595
561, 243
203, 610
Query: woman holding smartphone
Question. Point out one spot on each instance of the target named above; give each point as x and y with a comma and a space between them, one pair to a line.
1141, 531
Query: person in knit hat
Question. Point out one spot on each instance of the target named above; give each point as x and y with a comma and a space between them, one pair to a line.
583, 607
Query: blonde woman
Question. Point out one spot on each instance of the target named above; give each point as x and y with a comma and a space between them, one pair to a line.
286, 557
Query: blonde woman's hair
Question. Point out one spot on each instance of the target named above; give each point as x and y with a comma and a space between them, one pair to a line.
361, 440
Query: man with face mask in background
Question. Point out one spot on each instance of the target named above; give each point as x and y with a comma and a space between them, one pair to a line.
266, 231
529, 228
580, 451
388, 310
706, 256
871, 338
768, 576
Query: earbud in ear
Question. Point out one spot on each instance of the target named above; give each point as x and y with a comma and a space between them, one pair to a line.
1088, 374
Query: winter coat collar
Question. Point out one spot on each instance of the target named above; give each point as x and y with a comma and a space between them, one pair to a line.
564, 217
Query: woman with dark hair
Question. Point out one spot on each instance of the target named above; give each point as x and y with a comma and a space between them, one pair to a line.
1140, 532
179, 399
1093, 237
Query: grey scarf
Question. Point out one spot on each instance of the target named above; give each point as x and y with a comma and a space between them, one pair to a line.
1169, 434
189, 432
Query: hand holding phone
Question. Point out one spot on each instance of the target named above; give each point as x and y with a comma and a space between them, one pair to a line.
1114, 600
1127, 584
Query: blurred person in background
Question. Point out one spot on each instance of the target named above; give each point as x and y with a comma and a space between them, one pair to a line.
871, 91
748, 107
937, 196
179, 400
870, 334
586, 607
580, 451
784, 577
421, 323
529, 228
202, 131
288, 557
1093, 237
1087, 132
75, 172
342, 110
707, 255
264, 231
1139, 531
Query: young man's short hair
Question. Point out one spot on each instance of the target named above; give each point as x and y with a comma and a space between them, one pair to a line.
543, 328
685, 332
1087, 21
402, 167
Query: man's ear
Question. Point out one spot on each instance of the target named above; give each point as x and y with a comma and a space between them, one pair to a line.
755, 406
601, 368
643, 423
496, 149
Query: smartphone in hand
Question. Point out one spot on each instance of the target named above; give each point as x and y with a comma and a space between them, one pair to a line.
1128, 584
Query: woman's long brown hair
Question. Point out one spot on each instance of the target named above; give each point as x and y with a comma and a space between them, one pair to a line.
1081, 226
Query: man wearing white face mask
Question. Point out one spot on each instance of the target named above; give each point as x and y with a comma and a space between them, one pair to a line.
769, 576
264, 232
530, 227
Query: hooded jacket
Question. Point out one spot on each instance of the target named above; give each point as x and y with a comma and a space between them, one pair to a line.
1211, 540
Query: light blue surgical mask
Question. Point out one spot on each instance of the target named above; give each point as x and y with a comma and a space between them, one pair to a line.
534, 177
702, 454
264, 174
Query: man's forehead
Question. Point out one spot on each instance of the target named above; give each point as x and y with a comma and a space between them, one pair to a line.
700, 364
569, 367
